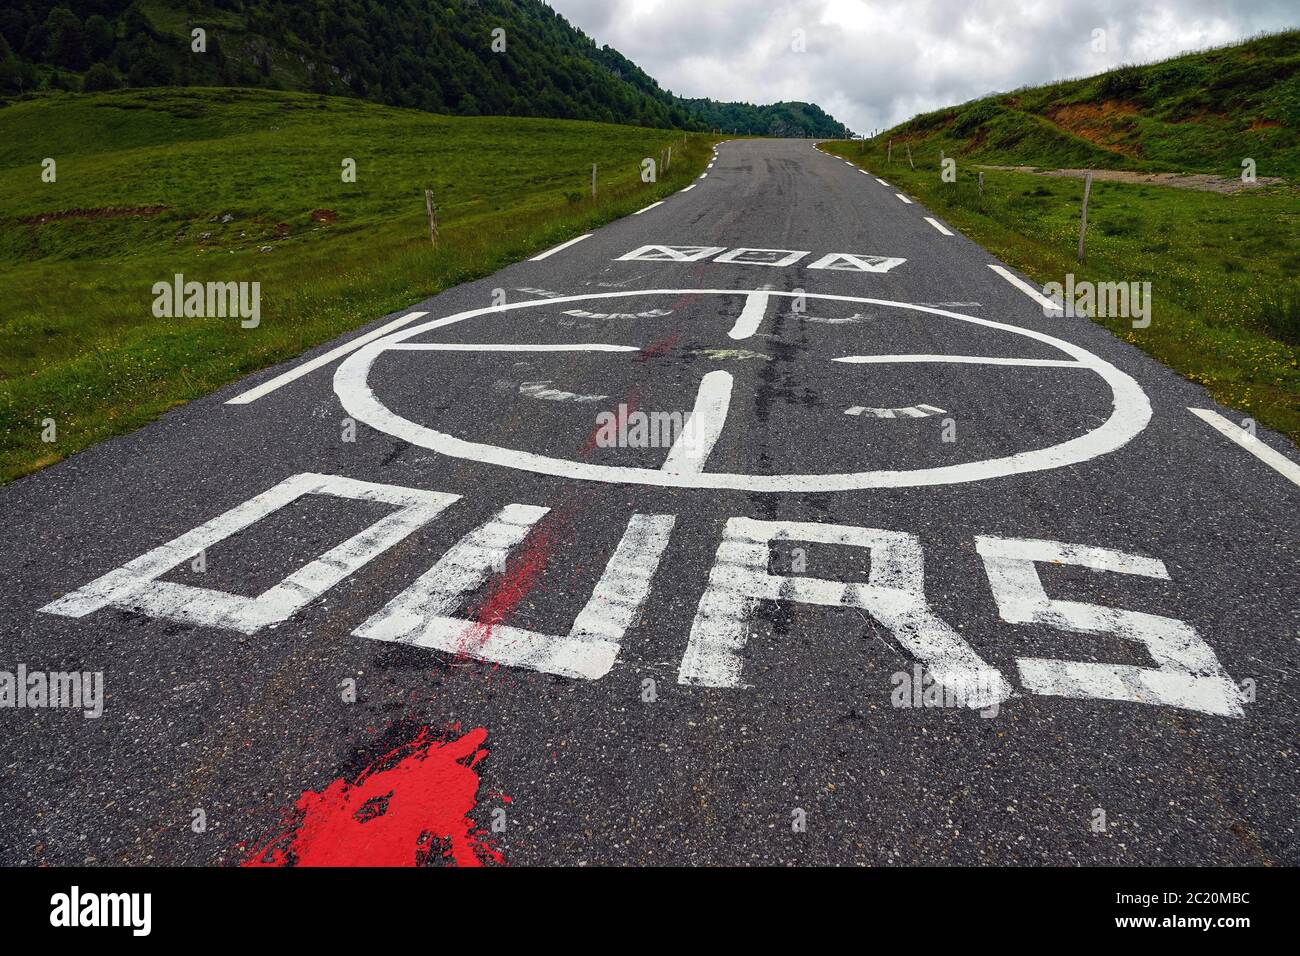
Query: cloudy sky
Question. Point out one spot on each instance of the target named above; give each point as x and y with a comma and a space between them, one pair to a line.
874, 63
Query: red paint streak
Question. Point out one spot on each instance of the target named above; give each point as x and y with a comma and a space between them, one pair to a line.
523, 570
661, 346
409, 808
683, 301
629, 404
698, 272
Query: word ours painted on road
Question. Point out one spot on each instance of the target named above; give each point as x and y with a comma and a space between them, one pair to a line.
775, 258
1186, 673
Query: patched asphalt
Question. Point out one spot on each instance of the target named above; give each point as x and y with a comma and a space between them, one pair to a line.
239, 725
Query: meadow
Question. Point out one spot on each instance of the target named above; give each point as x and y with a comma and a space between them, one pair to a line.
249, 185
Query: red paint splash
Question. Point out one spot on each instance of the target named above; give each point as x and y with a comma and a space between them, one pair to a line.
409, 808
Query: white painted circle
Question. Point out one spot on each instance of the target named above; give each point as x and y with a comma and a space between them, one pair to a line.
1131, 413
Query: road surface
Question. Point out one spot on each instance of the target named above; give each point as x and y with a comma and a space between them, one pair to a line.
771, 524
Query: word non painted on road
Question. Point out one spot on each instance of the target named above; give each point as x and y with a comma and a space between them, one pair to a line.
774, 258
1186, 673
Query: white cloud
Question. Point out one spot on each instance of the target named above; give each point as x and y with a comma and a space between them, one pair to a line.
873, 63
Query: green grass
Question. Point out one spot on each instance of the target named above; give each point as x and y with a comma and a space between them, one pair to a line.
1280, 316
1223, 268
1203, 112
78, 341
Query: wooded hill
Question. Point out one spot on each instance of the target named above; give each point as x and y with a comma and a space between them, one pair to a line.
437, 55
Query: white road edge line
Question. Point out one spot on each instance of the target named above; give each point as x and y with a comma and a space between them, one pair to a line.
1280, 463
904, 198
1026, 288
938, 225
270, 385
881, 181
560, 248
689, 188
648, 208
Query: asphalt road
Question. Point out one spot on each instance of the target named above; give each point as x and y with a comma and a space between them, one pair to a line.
703, 699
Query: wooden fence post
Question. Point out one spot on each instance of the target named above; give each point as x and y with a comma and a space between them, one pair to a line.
432, 210
1083, 219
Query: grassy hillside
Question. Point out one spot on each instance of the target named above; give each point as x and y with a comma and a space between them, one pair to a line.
150, 183
1204, 112
1223, 267
465, 57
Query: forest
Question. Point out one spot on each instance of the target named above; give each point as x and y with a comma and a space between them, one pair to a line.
461, 57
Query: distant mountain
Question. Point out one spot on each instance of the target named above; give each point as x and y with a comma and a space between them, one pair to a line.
779, 119
468, 57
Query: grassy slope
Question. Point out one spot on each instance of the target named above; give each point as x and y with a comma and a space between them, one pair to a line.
79, 341
1223, 268
1203, 112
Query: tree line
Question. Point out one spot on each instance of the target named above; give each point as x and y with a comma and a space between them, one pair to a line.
437, 55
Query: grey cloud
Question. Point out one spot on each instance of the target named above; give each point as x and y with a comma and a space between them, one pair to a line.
872, 63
